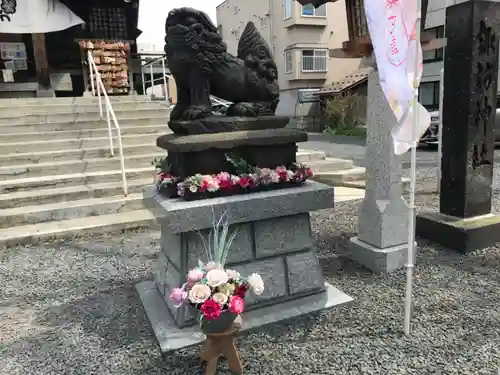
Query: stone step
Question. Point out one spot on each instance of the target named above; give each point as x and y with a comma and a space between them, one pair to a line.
76, 166
33, 233
42, 213
75, 154
330, 165
68, 101
361, 184
43, 110
307, 156
339, 177
71, 144
75, 179
46, 194
82, 133
132, 119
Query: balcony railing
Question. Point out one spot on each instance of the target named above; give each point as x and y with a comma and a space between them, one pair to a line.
314, 63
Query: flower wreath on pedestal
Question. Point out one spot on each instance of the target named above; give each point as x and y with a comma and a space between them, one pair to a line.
245, 179
217, 294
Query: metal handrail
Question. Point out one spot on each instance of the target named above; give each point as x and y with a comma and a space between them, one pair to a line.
165, 76
110, 115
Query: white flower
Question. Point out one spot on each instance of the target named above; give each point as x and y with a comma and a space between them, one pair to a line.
216, 277
256, 283
193, 189
199, 293
220, 298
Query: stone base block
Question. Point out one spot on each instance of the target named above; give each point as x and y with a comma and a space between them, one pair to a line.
273, 239
378, 260
170, 337
463, 235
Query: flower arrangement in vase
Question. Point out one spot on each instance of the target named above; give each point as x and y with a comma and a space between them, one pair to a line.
217, 294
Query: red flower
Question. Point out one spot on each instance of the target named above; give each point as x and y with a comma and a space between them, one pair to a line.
309, 172
236, 305
244, 182
226, 184
240, 290
203, 186
210, 309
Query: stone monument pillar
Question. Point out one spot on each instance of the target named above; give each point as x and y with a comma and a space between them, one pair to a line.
465, 222
381, 244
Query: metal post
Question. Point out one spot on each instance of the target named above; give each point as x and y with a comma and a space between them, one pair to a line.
91, 70
98, 81
440, 129
110, 134
413, 181
164, 78
143, 80
151, 74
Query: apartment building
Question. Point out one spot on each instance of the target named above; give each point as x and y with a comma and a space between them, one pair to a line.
299, 37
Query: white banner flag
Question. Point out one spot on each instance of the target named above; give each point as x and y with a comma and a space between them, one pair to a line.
35, 16
392, 30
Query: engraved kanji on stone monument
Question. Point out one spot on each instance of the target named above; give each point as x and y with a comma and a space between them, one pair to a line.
471, 65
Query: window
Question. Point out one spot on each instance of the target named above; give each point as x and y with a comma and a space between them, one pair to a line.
309, 11
314, 60
288, 61
428, 95
287, 5
356, 18
437, 54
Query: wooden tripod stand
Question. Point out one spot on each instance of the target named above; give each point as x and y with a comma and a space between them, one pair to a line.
222, 344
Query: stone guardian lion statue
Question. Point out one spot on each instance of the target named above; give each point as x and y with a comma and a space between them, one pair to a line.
201, 66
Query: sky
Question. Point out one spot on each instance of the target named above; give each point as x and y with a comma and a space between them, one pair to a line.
152, 15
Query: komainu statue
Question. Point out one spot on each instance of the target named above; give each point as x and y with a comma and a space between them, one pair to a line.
199, 62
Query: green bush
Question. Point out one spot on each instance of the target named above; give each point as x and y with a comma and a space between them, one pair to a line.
343, 115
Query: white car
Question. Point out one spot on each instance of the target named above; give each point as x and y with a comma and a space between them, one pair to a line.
430, 136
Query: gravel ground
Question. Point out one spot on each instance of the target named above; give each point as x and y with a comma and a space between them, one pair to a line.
70, 308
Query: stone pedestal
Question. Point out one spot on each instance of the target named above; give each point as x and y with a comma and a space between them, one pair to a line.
274, 240
205, 153
381, 245
465, 222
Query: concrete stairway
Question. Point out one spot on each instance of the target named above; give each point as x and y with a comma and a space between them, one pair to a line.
58, 179
57, 176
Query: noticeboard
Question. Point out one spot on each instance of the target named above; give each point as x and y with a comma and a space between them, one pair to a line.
308, 96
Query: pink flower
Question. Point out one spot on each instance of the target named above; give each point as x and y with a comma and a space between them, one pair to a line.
195, 275
224, 176
232, 274
236, 305
282, 173
213, 184
225, 181
178, 296
211, 266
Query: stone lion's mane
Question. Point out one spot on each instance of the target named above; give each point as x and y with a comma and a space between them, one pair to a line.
200, 40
